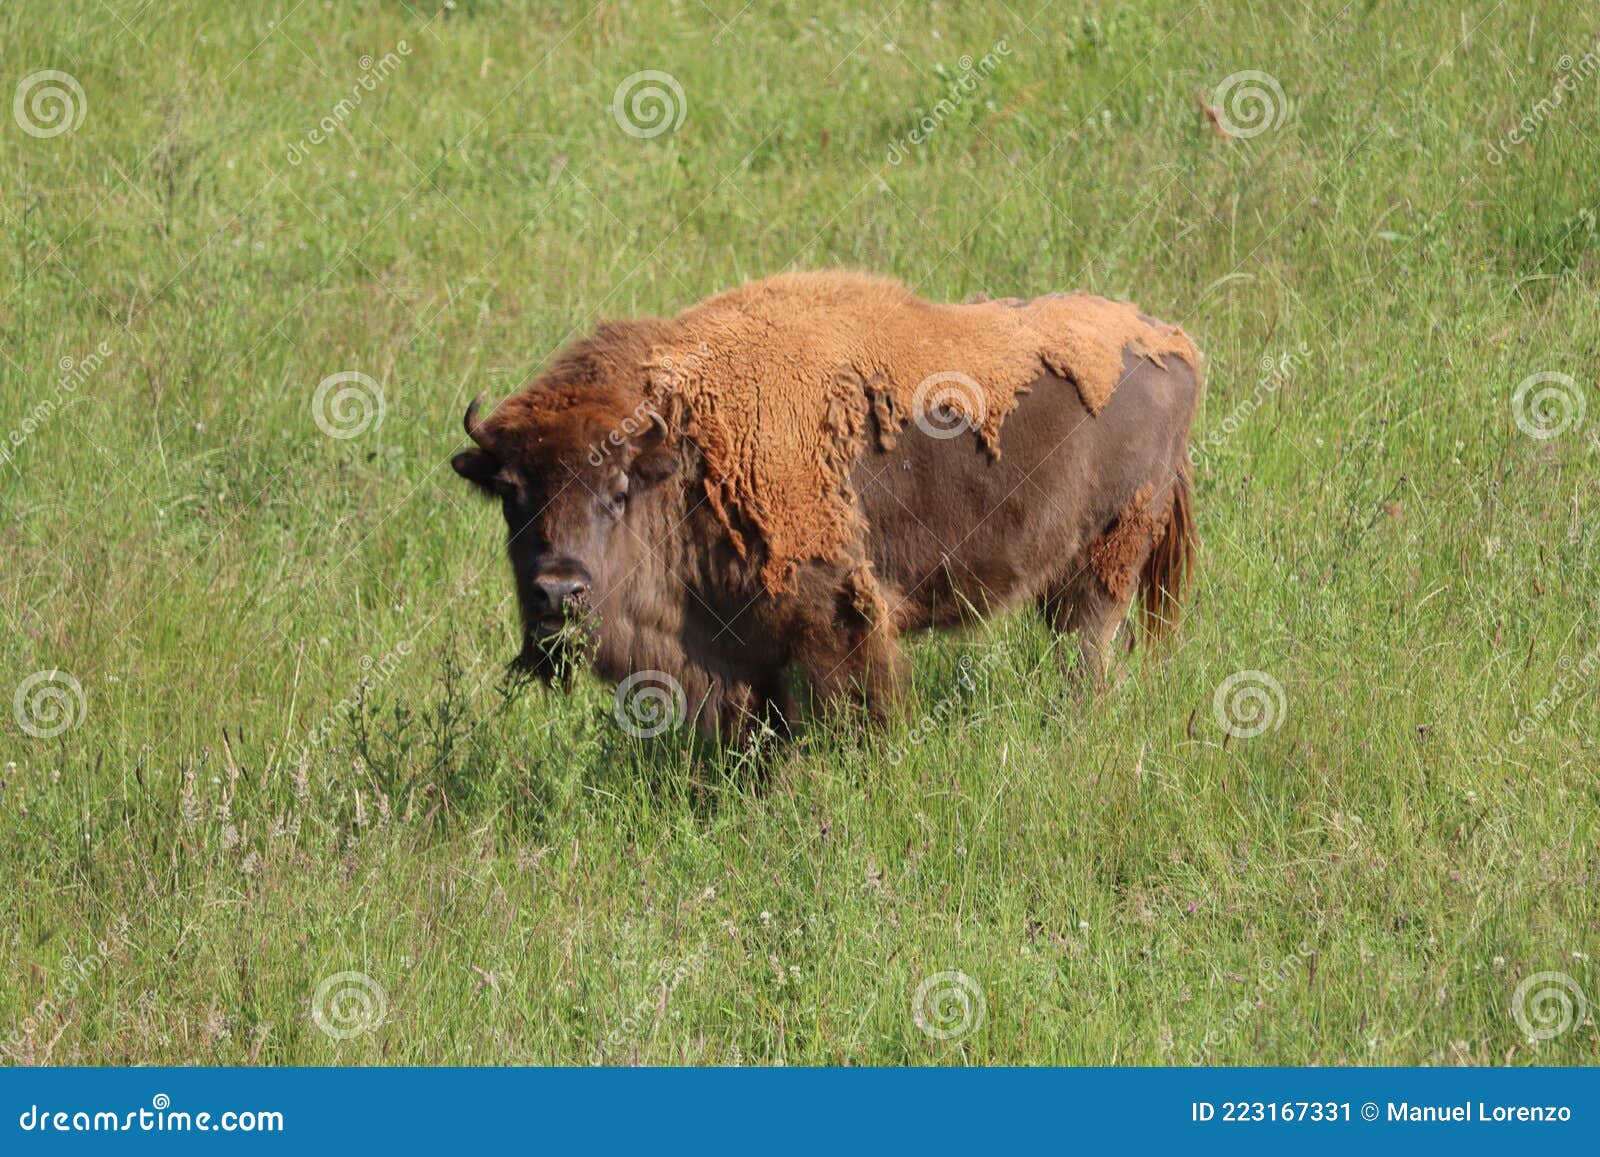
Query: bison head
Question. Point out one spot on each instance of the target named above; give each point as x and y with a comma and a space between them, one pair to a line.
571, 476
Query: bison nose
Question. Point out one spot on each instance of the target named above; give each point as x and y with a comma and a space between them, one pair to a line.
557, 590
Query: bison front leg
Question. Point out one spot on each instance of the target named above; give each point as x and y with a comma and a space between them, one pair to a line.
756, 703
844, 640
865, 669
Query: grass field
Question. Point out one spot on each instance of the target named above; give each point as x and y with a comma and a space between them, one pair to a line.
204, 563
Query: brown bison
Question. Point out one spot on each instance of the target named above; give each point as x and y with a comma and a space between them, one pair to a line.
796, 473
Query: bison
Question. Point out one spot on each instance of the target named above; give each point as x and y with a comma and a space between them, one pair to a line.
797, 473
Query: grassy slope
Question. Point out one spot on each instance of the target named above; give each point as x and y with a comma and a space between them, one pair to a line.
509, 868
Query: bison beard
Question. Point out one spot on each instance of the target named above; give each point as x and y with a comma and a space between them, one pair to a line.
763, 483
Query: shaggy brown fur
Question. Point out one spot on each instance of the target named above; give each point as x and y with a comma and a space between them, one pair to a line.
719, 498
1119, 553
773, 375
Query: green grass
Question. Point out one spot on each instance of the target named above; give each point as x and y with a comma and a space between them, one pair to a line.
1371, 877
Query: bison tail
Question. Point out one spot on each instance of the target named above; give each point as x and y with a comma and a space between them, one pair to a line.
1170, 566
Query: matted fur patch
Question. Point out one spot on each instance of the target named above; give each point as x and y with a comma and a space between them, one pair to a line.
781, 379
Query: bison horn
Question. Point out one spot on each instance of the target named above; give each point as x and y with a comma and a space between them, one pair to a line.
475, 429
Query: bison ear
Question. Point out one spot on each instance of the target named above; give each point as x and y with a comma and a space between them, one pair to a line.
653, 466
655, 459
478, 467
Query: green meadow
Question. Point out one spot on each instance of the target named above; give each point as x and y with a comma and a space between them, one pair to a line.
269, 797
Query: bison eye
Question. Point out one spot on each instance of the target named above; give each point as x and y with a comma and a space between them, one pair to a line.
616, 497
